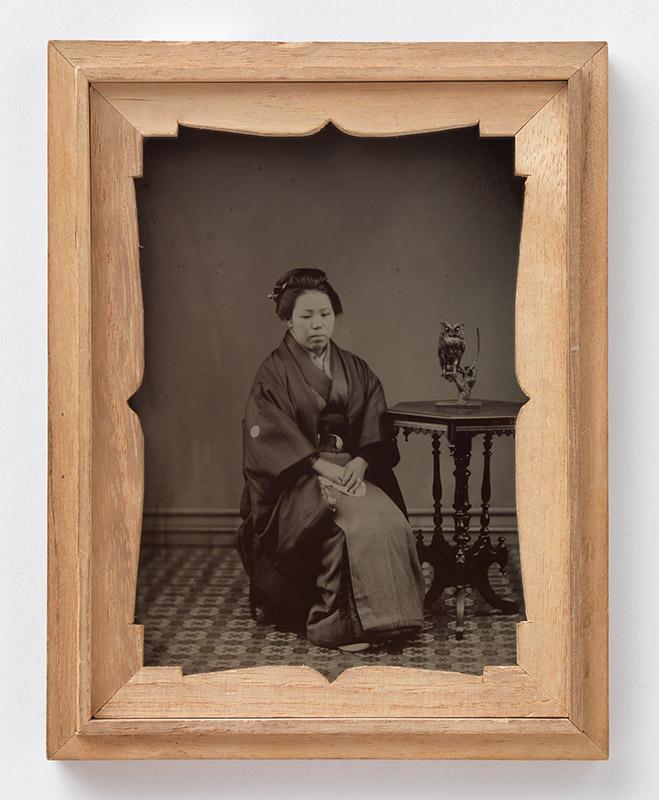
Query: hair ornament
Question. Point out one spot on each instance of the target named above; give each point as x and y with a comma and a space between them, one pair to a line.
277, 292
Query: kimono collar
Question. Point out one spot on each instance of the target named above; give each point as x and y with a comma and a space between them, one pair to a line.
323, 360
315, 377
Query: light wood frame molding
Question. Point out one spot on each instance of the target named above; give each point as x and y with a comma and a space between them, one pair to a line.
104, 98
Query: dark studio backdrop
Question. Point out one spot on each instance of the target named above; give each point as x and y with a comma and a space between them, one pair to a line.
411, 230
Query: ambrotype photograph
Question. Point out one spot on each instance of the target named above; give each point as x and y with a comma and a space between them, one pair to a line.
329, 401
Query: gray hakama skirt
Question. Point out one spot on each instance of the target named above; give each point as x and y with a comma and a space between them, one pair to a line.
370, 583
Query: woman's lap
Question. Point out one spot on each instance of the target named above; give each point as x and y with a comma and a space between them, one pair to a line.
376, 544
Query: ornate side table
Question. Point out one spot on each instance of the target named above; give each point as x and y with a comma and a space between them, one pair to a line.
462, 564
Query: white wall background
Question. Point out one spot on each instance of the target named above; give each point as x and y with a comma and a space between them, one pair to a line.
631, 29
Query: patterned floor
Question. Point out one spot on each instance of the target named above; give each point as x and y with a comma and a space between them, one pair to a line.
192, 601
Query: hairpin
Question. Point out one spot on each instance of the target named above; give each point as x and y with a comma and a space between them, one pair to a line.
277, 292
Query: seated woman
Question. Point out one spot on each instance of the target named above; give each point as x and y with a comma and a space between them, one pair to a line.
325, 537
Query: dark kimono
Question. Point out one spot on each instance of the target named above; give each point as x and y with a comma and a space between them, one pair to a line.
343, 566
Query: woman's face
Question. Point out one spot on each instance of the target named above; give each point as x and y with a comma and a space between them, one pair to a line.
312, 321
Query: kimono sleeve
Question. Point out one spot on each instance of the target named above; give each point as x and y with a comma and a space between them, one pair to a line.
376, 441
274, 447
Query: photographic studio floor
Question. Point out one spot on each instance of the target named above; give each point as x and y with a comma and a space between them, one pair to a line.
193, 603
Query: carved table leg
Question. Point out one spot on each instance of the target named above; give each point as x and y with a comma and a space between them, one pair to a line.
461, 452
439, 553
460, 604
424, 551
483, 554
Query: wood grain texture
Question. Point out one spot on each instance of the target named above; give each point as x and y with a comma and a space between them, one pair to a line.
561, 455
335, 726
298, 109
118, 361
353, 739
298, 691
69, 399
163, 692
587, 242
541, 451
326, 61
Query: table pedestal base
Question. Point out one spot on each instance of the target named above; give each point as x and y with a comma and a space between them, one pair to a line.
472, 572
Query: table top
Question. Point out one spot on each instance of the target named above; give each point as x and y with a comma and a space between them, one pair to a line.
490, 411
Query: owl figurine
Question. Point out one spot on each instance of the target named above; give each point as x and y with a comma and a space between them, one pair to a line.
450, 348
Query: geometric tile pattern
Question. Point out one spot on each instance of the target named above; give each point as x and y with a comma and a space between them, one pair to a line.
193, 603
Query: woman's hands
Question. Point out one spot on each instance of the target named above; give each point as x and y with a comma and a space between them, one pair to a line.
326, 469
350, 477
353, 474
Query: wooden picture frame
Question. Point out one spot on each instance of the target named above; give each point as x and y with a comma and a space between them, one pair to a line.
104, 98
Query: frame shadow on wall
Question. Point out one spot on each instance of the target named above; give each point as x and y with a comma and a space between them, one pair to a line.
412, 230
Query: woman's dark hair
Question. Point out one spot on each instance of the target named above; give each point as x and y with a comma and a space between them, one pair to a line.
297, 281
